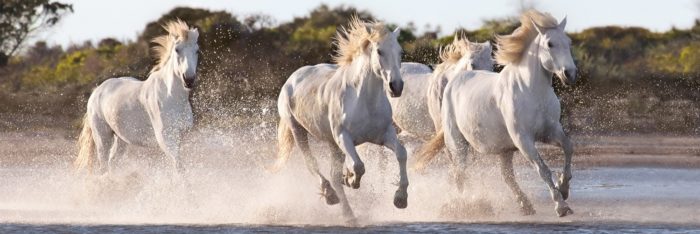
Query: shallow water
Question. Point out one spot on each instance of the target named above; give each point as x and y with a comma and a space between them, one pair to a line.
383, 228
226, 189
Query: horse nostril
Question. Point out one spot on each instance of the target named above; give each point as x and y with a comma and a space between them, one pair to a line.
570, 73
396, 87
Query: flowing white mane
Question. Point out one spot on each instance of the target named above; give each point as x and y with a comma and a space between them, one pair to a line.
352, 39
511, 47
177, 29
452, 53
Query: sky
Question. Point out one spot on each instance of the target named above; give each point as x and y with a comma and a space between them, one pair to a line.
124, 19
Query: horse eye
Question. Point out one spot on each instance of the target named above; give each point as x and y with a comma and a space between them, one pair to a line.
549, 44
379, 52
177, 50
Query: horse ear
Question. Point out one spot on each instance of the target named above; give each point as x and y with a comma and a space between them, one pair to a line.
562, 25
396, 32
456, 37
537, 27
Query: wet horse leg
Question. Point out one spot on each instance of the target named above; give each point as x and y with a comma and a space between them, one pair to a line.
527, 148
337, 165
302, 141
104, 138
560, 139
509, 176
118, 149
458, 151
392, 142
347, 146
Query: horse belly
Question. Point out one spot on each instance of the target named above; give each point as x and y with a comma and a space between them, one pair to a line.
486, 140
484, 128
134, 126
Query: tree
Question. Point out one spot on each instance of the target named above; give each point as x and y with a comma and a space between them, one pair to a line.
19, 19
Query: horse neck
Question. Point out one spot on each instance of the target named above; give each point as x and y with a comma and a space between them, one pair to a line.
172, 81
529, 71
368, 85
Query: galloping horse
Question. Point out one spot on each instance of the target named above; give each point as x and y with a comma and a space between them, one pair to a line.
345, 106
155, 112
500, 113
422, 94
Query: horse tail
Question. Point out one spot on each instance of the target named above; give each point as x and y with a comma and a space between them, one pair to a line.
86, 146
285, 144
429, 151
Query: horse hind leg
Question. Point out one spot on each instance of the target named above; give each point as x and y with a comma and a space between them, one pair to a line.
458, 151
509, 177
104, 138
117, 151
302, 141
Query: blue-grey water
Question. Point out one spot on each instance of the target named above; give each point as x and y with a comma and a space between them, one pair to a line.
387, 228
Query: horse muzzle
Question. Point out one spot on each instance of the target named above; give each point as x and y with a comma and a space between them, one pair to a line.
396, 88
568, 77
189, 81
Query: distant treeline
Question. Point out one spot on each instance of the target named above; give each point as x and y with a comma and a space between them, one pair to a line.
631, 79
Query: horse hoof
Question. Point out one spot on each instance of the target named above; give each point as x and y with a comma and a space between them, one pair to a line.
329, 194
564, 211
351, 179
401, 199
332, 200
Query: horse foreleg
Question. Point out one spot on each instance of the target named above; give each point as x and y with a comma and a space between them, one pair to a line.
527, 148
337, 164
562, 140
347, 146
169, 142
391, 141
509, 176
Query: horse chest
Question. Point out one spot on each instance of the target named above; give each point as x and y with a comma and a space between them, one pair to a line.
367, 125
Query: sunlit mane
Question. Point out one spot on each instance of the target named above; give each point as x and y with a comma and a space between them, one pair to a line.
511, 47
165, 43
352, 39
452, 53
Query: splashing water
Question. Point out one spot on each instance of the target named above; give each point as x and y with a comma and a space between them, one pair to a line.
226, 183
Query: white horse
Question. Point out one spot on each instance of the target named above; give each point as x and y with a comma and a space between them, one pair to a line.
499, 113
414, 68
155, 112
345, 106
422, 94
